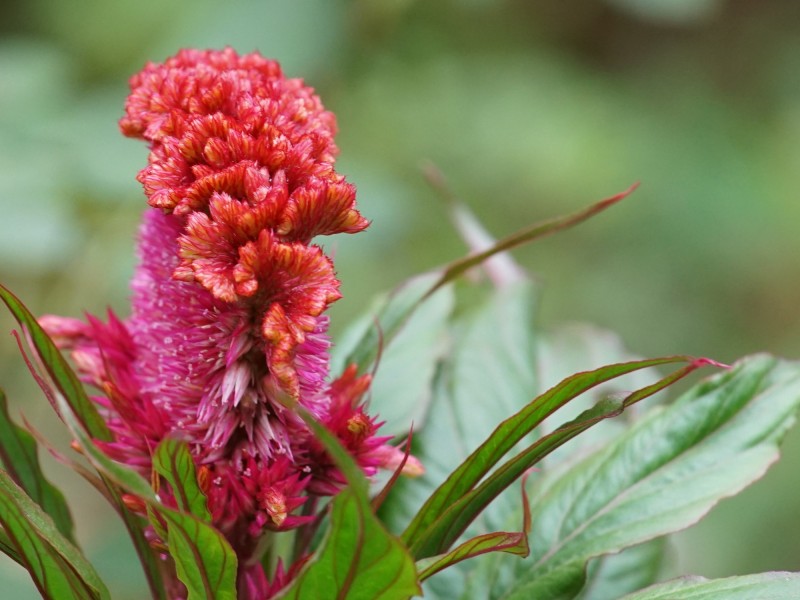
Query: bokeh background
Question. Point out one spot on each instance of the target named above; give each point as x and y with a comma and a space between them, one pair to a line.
530, 109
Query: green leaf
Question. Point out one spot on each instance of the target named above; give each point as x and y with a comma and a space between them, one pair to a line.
151, 563
62, 375
57, 567
614, 575
18, 453
485, 376
394, 313
116, 476
579, 347
663, 475
524, 236
455, 519
205, 562
82, 412
363, 342
358, 559
173, 461
7, 547
423, 542
123, 476
401, 387
774, 586
500, 541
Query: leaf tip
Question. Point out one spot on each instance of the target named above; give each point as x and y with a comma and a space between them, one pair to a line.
621, 196
698, 363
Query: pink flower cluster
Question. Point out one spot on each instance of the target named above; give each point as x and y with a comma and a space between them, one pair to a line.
227, 318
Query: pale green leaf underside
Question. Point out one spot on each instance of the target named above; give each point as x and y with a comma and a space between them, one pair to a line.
763, 586
661, 476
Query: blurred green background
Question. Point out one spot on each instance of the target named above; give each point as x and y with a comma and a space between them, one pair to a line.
531, 109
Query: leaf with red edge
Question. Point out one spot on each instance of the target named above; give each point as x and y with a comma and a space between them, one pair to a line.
504, 437
173, 461
499, 541
203, 558
395, 311
205, 562
358, 559
19, 456
58, 569
524, 236
451, 522
662, 475
57, 368
76, 402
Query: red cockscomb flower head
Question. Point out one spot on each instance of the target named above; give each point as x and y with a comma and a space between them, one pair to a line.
229, 295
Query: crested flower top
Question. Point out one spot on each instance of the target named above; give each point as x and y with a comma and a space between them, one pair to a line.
246, 157
228, 299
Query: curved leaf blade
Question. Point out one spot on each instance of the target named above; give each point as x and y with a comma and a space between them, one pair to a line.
358, 559
57, 568
173, 461
663, 475
452, 523
82, 412
524, 236
116, 477
500, 541
18, 454
60, 372
205, 562
775, 586
396, 310
506, 436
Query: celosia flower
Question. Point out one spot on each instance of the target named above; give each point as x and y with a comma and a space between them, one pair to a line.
229, 296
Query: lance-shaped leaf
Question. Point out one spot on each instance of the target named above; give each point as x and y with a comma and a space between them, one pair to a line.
82, 412
173, 461
204, 561
393, 314
117, 477
18, 453
484, 376
661, 476
401, 386
614, 575
358, 559
499, 541
524, 236
122, 476
507, 434
772, 586
58, 569
452, 522
62, 375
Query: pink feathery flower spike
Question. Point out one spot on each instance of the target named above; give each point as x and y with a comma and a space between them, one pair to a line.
229, 298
